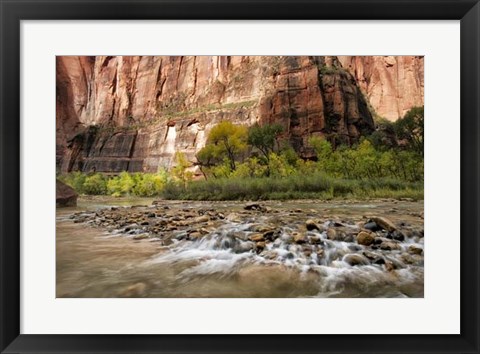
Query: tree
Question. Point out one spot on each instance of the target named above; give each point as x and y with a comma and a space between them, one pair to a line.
323, 150
410, 128
180, 171
264, 137
384, 137
207, 158
226, 140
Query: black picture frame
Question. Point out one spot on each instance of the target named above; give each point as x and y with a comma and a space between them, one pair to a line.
13, 12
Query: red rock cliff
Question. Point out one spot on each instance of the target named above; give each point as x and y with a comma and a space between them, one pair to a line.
392, 84
134, 113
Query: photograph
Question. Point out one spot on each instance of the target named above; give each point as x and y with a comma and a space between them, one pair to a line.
239, 176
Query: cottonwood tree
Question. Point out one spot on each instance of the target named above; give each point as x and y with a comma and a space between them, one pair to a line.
264, 137
180, 171
225, 141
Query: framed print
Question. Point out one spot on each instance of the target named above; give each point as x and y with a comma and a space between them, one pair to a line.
239, 176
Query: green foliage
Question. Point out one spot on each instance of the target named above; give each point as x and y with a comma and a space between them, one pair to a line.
74, 180
278, 166
411, 128
375, 167
252, 167
296, 186
384, 137
208, 156
149, 184
121, 185
95, 184
365, 161
226, 140
290, 156
329, 70
180, 171
125, 184
221, 170
264, 137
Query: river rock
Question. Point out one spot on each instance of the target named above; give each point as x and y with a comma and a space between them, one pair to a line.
256, 238
396, 235
331, 234
409, 259
311, 225
261, 228
379, 240
234, 217
374, 257
239, 235
354, 247
372, 226
195, 235
390, 246
299, 237
415, 250
384, 223
316, 240
356, 259
349, 237
200, 219
271, 235
255, 206
242, 247
389, 266
259, 246
65, 195
365, 238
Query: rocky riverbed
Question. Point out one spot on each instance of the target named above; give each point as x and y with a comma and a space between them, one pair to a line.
238, 249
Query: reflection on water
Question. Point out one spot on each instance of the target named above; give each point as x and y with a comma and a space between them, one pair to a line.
93, 262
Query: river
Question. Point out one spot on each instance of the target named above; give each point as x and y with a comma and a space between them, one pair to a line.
209, 249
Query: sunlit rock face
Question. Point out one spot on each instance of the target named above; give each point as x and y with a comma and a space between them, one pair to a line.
392, 84
133, 113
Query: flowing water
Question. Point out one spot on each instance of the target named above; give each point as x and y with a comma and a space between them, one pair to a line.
97, 257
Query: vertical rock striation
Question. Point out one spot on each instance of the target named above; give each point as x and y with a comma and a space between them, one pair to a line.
133, 113
392, 84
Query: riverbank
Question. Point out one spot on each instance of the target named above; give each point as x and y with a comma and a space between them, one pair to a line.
237, 249
295, 186
317, 186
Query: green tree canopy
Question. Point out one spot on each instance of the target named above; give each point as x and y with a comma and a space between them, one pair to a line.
180, 171
226, 140
264, 137
410, 128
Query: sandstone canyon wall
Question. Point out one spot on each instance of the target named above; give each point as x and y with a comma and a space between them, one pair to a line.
391, 84
133, 113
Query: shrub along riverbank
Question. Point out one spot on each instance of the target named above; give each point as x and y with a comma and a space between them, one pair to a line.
314, 186
317, 186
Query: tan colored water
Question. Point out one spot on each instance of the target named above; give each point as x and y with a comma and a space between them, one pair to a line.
92, 262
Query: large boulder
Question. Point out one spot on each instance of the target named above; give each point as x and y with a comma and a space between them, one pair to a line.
384, 223
365, 238
66, 195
